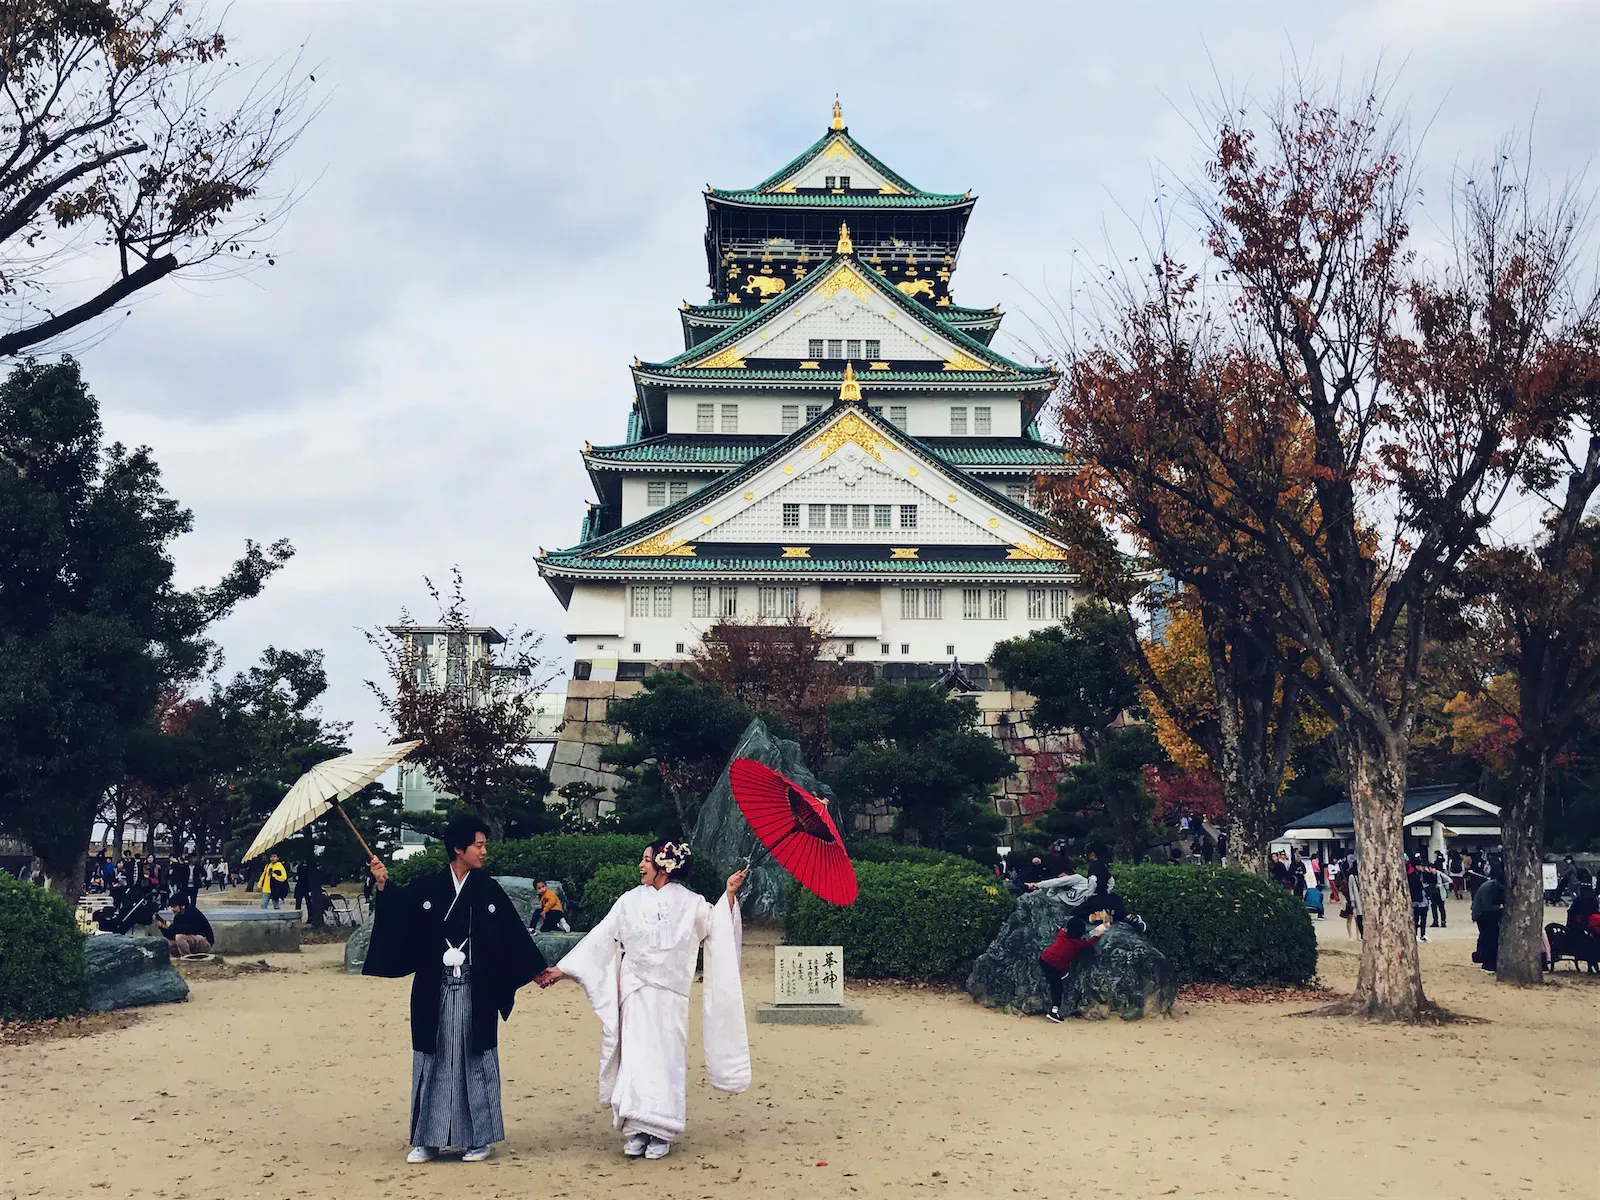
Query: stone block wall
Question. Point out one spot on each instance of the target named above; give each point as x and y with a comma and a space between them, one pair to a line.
1003, 715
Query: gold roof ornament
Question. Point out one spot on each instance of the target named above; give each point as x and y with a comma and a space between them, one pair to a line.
846, 246
838, 114
850, 389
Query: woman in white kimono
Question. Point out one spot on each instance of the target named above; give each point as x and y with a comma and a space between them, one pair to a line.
636, 966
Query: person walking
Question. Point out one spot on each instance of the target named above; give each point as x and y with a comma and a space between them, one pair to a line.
274, 883
1438, 881
1458, 875
1351, 878
1416, 885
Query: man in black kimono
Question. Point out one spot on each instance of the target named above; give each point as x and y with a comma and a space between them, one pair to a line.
456, 933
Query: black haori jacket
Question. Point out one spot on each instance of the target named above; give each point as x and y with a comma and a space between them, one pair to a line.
410, 934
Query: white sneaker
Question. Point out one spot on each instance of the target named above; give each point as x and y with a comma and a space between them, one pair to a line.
476, 1154
422, 1154
636, 1145
658, 1148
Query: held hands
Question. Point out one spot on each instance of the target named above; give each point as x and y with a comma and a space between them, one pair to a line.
380, 873
548, 976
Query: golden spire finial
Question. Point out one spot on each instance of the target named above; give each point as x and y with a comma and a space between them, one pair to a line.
850, 389
838, 113
846, 246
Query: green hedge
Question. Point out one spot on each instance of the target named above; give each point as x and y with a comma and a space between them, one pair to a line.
41, 954
910, 921
1220, 925
602, 890
886, 850
570, 858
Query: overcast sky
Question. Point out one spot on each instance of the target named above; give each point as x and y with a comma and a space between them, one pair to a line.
505, 207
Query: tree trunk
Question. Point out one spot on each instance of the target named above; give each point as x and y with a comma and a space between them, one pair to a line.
1389, 985
1249, 833
66, 879
1522, 834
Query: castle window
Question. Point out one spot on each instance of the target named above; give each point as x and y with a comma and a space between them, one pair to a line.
791, 516
860, 516
655, 493
883, 648
830, 181
663, 600
702, 601
639, 602
972, 604
849, 649
817, 516
982, 419
727, 602
1017, 492
874, 348
678, 489
908, 516
813, 411
705, 418
835, 347
730, 418
844, 182
778, 601
852, 348
897, 415
921, 604
997, 604
1060, 604
791, 418
958, 421
905, 647
882, 516
814, 348
1036, 604
839, 516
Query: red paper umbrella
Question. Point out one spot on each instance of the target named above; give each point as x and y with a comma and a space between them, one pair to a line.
795, 828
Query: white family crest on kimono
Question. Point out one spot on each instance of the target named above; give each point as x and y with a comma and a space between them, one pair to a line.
636, 967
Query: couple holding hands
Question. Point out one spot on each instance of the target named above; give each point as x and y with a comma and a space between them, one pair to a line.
456, 933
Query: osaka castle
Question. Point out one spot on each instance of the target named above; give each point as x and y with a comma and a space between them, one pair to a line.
837, 438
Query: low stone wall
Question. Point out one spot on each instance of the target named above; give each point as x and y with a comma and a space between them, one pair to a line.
259, 933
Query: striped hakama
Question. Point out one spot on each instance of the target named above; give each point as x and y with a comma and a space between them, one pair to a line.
455, 1094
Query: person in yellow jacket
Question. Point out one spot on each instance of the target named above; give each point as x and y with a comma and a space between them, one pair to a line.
550, 916
274, 883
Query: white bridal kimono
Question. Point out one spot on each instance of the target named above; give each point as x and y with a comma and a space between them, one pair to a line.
636, 967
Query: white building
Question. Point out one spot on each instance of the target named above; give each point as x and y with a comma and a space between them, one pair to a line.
836, 438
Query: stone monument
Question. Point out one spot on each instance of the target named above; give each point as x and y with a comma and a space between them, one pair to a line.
808, 988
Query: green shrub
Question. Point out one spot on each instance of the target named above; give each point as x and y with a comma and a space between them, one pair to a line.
602, 890
885, 850
910, 921
570, 858
1220, 925
41, 953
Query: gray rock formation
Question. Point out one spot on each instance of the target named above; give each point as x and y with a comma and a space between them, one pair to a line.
723, 836
554, 946
1125, 974
125, 972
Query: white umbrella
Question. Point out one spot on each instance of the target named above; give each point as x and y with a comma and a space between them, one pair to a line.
321, 788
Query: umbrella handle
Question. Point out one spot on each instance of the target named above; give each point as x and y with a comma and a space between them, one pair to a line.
339, 808
764, 852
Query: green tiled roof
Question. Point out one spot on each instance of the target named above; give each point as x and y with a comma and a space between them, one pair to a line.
720, 449
913, 197
685, 564
847, 200
928, 318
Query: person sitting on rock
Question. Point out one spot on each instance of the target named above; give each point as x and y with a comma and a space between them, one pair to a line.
551, 915
1073, 887
1060, 954
188, 931
1113, 910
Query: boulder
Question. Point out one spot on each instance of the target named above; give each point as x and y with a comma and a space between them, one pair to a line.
555, 946
1125, 974
724, 837
125, 972
520, 889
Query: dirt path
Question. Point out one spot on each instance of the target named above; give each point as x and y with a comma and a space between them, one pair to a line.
294, 1084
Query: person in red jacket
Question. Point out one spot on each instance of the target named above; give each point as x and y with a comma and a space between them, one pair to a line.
1059, 955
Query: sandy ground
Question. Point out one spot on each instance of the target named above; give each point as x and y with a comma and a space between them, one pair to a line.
294, 1084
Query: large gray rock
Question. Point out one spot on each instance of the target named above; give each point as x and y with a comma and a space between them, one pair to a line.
1125, 974
520, 889
555, 946
723, 836
125, 972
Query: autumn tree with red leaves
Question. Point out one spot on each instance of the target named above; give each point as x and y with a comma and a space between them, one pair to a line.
785, 667
1314, 432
